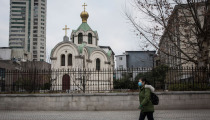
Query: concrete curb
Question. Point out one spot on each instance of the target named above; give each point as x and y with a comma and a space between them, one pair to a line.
102, 94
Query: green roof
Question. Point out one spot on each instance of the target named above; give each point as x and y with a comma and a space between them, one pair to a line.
84, 26
90, 49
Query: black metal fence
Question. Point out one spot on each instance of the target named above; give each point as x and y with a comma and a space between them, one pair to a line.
104, 80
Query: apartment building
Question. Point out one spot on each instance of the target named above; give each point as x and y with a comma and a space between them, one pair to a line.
28, 29
180, 45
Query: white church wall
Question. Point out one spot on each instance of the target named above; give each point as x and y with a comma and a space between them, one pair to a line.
105, 78
103, 58
76, 39
96, 80
85, 38
112, 61
75, 80
65, 49
93, 39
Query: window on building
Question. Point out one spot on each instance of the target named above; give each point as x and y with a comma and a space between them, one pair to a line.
18, 10
35, 4
120, 66
80, 38
70, 60
18, 3
17, 19
73, 39
22, 7
35, 31
62, 60
18, 23
120, 58
89, 38
98, 62
17, 26
34, 43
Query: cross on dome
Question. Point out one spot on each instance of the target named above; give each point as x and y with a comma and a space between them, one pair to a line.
66, 30
84, 15
84, 6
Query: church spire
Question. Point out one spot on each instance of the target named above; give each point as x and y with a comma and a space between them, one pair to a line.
84, 15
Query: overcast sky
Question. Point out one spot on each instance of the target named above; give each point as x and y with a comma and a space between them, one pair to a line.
105, 16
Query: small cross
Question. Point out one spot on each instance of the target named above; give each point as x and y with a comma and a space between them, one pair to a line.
66, 29
84, 6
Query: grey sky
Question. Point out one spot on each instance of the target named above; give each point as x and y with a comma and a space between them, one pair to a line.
105, 16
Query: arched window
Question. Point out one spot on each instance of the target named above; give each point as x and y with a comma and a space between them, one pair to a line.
89, 38
80, 38
70, 60
62, 60
73, 39
98, 62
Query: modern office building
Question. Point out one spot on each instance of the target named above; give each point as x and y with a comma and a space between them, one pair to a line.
28, 29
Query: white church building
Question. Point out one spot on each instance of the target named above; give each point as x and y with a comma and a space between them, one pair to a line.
82, 61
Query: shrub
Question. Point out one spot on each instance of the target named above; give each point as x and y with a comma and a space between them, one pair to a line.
156, 76
189, 87
125, 83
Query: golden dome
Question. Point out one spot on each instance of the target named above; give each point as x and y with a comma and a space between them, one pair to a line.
84, 15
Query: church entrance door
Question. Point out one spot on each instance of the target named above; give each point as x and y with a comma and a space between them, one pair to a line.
66, 82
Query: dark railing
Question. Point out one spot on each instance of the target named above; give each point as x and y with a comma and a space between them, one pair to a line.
104, 80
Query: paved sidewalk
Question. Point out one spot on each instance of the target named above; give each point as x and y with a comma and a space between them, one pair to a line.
103, 115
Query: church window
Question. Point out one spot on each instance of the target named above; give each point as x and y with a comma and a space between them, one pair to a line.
70, 60
62, 60
89, 38
73, 39
80, 38
98, 62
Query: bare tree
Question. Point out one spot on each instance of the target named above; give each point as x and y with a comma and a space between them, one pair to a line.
178, 29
